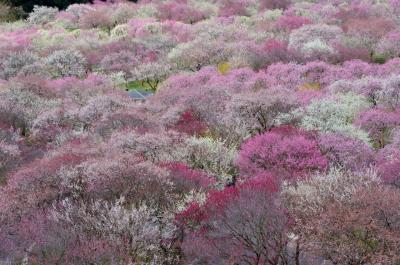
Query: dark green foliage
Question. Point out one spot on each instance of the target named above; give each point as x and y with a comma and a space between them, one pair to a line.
27, 5
379, 58
9, 13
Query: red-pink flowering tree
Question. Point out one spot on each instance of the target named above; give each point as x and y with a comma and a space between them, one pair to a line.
187, 179
287, 152
244, 224
190, 123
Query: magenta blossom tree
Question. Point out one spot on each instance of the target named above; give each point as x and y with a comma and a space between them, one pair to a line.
289, 153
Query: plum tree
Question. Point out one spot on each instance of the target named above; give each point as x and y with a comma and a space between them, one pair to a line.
288, 153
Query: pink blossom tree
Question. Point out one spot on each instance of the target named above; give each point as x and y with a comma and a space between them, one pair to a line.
288, 153
345, 152
379, 123
179, 11
389, 172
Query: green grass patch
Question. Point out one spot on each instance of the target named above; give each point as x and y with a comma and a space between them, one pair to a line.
141, 85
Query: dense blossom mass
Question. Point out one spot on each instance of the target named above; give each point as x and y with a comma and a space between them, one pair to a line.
242, 132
